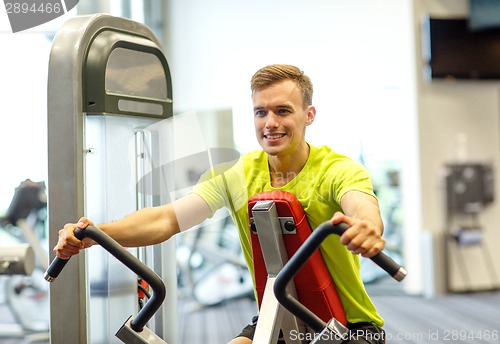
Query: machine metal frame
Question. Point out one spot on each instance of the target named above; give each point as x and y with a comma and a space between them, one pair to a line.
70, 93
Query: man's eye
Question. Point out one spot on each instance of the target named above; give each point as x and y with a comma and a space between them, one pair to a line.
260, 113
283, 111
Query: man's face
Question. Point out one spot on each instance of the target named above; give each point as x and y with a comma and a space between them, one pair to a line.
280, 118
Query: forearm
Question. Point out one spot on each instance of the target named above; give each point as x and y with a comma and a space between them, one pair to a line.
361, 206
144, 227
370, 213
362, 214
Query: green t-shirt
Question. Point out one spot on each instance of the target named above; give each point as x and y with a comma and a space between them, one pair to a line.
319, 187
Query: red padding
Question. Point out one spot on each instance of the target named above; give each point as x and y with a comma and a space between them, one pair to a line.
315, 287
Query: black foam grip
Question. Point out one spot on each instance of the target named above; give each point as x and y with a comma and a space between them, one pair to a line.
387, 263
55, 268
381, 259
58, 264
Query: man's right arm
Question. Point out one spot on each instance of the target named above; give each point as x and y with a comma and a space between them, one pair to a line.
144, 227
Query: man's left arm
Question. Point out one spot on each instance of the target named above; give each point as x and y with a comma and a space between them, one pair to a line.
362, 213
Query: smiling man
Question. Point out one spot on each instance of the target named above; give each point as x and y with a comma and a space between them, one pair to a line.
281, 115
329, 186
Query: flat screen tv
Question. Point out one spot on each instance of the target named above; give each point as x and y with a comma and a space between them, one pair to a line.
452, 50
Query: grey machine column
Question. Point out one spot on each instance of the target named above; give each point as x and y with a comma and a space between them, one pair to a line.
109, 81
273, 317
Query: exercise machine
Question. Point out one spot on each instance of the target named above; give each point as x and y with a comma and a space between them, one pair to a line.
212, 266
24, 213
17, 260
109, 93
26, 294
279, 230
134, 330
278, 226
315, 287
332, 331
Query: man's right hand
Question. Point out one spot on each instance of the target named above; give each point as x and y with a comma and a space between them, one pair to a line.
68, 245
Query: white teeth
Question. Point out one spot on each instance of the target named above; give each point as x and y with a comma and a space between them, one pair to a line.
275, 136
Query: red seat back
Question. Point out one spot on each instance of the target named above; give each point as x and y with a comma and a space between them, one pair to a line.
313, 283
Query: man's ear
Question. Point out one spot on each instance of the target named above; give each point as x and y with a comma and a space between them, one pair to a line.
311, 114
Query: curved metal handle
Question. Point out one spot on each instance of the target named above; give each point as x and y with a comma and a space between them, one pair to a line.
303, 254
134, 264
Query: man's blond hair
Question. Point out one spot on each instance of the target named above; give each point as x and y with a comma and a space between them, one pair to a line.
271, 74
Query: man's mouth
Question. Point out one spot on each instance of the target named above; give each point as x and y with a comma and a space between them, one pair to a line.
274, 136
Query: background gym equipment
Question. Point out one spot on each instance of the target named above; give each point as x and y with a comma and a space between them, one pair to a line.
469, 189
17, 260
26, 217
109, 90
134, 330
331, 332
212, 268
26, 295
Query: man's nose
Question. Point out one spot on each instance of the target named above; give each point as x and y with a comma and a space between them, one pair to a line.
271, 120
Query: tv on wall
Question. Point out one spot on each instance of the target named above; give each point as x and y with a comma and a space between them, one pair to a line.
453, 50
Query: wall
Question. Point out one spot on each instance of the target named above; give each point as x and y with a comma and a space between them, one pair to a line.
23, 70
447, 113
23, 92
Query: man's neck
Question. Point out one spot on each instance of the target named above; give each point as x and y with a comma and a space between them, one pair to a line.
283, 169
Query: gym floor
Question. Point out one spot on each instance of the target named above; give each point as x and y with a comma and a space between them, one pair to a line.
454, 318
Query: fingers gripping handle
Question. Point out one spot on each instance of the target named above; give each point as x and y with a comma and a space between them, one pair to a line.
58, 264
302, 255
381, 259
124, 256
390, 266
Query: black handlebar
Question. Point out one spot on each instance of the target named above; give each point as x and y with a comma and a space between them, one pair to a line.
304, 252
134, 264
